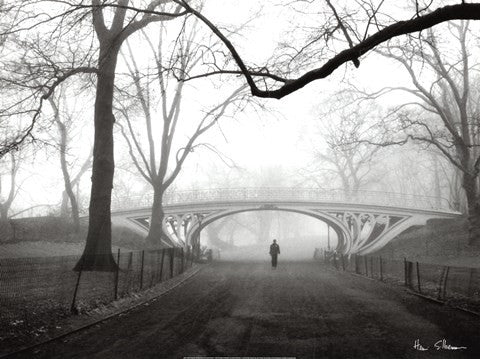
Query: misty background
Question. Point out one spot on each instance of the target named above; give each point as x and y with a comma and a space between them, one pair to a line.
353, 132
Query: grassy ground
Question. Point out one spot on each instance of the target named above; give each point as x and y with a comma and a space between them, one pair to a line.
43, 249
442, 241
42, 310
54, 236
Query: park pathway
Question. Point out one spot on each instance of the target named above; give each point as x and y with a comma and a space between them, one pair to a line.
300, 310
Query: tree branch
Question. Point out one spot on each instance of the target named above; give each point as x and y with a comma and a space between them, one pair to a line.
451, 12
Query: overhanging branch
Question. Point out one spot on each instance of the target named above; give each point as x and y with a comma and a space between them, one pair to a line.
461, 11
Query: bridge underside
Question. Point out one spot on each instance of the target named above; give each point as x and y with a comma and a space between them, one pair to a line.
360, 229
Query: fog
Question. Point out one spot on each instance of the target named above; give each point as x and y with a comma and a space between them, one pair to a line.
299, 248
157, 157
248, 235
357, 130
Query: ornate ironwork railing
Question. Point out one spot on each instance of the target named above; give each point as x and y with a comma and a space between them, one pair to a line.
274, 194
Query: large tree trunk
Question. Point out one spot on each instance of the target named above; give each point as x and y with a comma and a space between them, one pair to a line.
156, 236
457, 192
469, 184
4, 212
64, 205
97, 254
5, 206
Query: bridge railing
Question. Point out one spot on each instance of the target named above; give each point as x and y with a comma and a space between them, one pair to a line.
273, 194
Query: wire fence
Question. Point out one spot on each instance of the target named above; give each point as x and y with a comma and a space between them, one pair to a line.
459, 286
33, 287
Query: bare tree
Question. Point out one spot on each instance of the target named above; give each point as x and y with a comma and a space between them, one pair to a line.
126, 20
10, 166
221, 232
72, 25
362, 28
414, 170
154, 162
452, 179
64, 124
63, 118
444, 112
345, 153
98, 253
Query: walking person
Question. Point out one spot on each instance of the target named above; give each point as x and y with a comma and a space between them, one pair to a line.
274, 252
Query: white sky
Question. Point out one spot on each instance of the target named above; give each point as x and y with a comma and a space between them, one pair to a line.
255, 140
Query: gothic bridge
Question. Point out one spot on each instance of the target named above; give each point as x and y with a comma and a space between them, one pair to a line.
363, 222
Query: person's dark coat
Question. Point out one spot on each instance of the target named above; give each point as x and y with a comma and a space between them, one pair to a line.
274, 249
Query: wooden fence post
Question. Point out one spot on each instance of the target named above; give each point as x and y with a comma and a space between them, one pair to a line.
381, 269
157, 277
172, 259
161, 265
117, 272
182, 253
73, 309
440, 283
141, 269
418, 278
130, 261
444, 293
410, 274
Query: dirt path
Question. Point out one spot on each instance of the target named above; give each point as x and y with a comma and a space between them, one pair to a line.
300, 310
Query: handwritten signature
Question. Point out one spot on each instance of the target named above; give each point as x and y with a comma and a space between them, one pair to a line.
439, 345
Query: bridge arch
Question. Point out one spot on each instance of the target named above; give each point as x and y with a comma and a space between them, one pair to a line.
364, 222
343, 234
